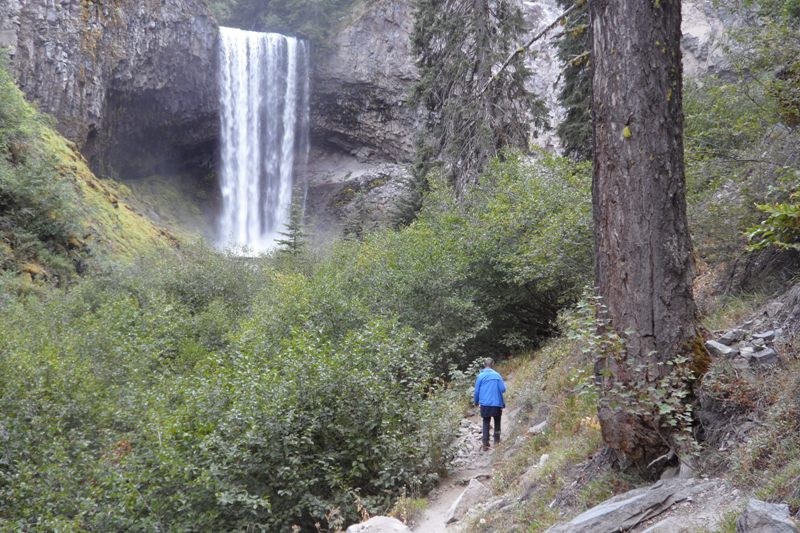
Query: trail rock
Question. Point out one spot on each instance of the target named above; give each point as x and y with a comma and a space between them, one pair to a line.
627, 510
763, 517
764, 358
538, 428
766, 336
732, 336
720, 350
379, 524
475, 493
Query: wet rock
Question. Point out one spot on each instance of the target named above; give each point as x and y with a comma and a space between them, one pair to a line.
475, 493
763, 517
720, 350
116, 85
379, 524
359, 101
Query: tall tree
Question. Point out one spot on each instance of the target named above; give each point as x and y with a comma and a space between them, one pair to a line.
643, 253
458, 43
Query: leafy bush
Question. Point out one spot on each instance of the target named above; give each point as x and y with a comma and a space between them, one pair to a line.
741, 137
36, 214
781, 228
489, 273
196, 391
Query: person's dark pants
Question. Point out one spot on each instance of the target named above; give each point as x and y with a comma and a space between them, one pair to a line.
487, 413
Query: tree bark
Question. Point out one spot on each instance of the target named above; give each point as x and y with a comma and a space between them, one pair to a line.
643, 254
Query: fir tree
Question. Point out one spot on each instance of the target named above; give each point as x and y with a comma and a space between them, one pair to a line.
458, 43
295, 236
574, 47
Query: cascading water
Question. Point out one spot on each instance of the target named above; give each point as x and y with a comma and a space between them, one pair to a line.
264, 103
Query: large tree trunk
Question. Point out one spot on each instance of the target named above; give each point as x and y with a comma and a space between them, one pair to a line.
643, 254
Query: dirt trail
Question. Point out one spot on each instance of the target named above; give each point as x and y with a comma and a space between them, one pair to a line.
470, 463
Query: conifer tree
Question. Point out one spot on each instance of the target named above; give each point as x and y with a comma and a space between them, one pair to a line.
458, 43
574, 50
295, 236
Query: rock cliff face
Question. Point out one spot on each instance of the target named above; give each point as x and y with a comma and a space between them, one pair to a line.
132, 82
362, 81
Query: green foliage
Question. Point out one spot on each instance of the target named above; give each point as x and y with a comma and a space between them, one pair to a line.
485, 274
36, 214
781, 228
294, 241
201, 392
740, 135
458, 44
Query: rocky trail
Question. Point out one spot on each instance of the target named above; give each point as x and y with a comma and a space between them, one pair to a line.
470, 477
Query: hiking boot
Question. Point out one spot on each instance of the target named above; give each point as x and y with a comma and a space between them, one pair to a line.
485, 446
497, 438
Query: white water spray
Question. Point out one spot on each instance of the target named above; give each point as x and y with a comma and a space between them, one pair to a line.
264, 100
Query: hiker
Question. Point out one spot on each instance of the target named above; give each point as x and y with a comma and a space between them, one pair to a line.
489, 389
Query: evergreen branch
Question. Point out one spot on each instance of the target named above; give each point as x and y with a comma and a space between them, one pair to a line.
524, 48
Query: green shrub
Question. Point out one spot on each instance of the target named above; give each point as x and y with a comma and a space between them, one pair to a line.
781, 228
36, 213
485, 275
740, 136
196, 391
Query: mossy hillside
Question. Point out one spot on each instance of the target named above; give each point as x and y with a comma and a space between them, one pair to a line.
56, 214
114, 227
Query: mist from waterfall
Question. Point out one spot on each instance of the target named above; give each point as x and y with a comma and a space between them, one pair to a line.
264, 106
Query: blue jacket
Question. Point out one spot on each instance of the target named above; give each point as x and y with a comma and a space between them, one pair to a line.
489, 389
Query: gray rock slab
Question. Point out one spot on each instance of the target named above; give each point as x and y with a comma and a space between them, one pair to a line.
538, 428
720, 350
627, 510
732, 336
767, 335
763, 517
475, 493
764, 358
8, 38
379, 524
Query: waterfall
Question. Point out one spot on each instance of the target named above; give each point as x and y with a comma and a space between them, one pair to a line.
264, 107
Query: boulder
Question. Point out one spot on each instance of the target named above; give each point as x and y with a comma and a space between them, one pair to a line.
720, 350
763, 517
626, 511
379, 524
475, 493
